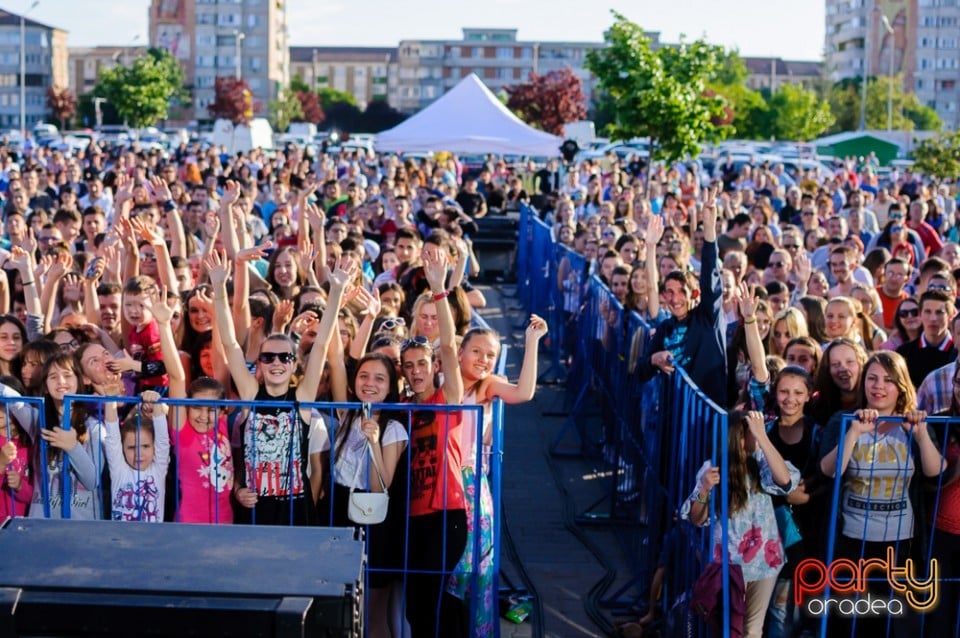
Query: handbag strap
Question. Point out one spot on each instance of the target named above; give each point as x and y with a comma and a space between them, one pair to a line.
373, 460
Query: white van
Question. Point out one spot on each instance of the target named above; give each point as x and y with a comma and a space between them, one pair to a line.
243, 138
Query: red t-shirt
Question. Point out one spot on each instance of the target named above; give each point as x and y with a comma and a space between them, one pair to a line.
889, 306
144, 345
436, 482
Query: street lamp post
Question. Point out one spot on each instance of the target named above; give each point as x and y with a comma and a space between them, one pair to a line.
23, 71
238, 41
889, 29
867, 32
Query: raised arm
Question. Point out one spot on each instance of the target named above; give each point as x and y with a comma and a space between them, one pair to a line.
748, 312
435, 268
527, 383
164, 199
55, 274
339, 280
163, 313
654, 233
711, 284
371, 309
241, 289
165, 272
218, 266
228, 230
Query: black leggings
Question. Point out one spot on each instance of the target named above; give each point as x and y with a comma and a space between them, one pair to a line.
437, 542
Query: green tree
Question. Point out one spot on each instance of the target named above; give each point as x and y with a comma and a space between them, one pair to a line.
732, 71
332, 96
795, 113
297, 84
658, 94
908, 113
285, 109
939, 156
142, 92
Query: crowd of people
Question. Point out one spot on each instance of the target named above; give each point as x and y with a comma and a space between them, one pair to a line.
278, 279
791, 301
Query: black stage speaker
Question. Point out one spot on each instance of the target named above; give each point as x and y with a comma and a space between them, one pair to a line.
496, 246
101, 578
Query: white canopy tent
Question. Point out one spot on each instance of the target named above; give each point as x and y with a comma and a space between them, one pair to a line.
468, 119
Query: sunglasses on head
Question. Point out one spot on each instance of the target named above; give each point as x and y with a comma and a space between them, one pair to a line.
415, 342
391, 324
943, 287
908, 312
147, 257
270, 357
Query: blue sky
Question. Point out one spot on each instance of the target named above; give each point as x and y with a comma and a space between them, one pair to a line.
791, 29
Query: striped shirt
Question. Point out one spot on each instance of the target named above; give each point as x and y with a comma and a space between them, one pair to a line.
935, 394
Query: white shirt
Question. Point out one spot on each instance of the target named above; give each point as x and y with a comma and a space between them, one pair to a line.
355, 452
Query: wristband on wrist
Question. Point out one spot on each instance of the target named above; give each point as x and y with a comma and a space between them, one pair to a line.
437, 296
169, 205
27, 283
749, 321
704, 501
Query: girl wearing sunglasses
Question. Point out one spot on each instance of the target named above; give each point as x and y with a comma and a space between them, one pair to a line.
272, 481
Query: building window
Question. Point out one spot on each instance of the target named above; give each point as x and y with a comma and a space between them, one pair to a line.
253, 21
429, 92
504, 53
256, 64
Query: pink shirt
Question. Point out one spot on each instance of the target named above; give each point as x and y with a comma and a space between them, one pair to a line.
204, 474
17, 506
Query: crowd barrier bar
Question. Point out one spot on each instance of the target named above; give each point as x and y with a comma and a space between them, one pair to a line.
494, 467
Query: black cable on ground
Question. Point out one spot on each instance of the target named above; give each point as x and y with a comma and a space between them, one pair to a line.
591, 603
506, 539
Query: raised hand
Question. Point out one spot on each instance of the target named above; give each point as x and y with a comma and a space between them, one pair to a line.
282, 315
160, 189
60, 265
123, 188
314, 216
342, 273
654, 231
435, 268
30, 242
21, 260
802, 267
306, 254
747, 302
121, 363
231, 193
161, 309
151, 235
756, 426
72, 287
536, 329
218, 267
369, 302
253, 253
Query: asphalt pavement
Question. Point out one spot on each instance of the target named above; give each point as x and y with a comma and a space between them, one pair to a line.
543, 494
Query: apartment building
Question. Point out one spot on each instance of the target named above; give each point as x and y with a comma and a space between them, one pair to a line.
215, 38
772, 73
428, 68
919, 39
366, 73
45, 65
86, 63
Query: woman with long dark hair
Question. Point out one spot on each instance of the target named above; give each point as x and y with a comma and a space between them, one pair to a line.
755, 471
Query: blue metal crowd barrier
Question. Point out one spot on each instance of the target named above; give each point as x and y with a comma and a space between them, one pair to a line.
656, 433
488, 464
906, 485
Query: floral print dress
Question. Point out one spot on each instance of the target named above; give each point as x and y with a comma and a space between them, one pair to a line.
753, 538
